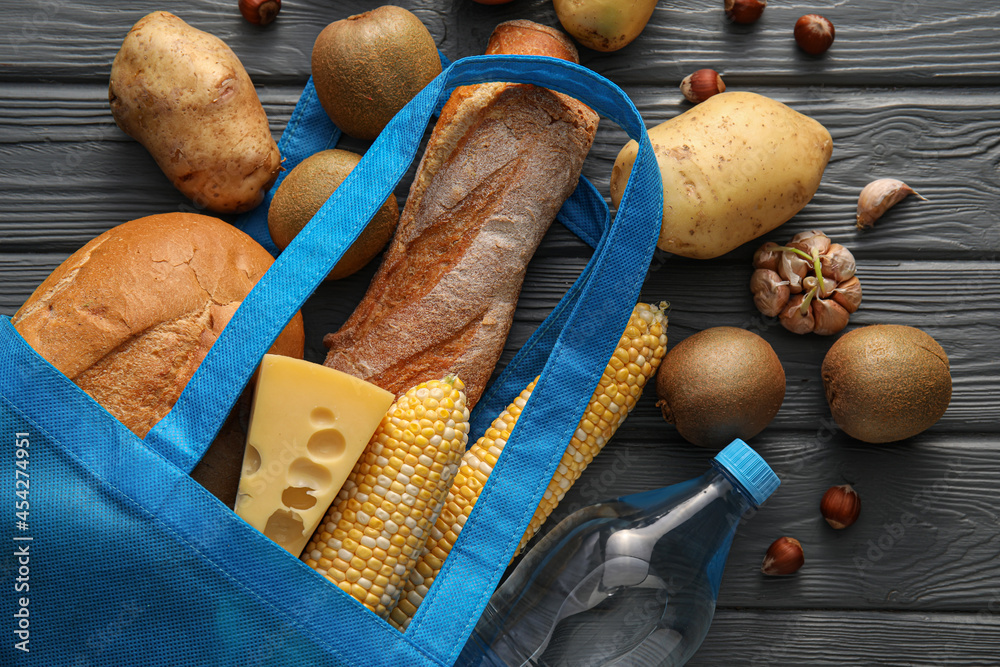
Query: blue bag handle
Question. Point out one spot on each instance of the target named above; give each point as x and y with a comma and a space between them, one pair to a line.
592, 319
309, 130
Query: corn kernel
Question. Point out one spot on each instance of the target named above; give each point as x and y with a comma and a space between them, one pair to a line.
634, 362
371, 536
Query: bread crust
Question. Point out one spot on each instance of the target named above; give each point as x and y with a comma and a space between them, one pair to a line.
130, 316
498, 166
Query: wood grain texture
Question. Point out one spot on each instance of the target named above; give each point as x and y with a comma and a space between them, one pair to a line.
909, 90
926, 538
880, 42
70, 173
920, 294
835, 639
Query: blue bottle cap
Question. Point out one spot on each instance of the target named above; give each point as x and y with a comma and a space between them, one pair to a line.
749, 470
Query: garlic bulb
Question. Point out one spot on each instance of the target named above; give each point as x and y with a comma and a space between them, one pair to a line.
809, 284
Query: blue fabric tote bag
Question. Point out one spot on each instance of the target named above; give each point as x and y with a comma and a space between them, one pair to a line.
115, 556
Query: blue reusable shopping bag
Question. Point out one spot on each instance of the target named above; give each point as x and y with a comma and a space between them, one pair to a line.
117, 557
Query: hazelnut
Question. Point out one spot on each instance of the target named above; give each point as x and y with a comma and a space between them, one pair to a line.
699, 86
784, 556
744, 11
814, 34
259, 12
840, 506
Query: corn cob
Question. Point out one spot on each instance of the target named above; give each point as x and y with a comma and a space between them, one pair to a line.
634, 362
376, 528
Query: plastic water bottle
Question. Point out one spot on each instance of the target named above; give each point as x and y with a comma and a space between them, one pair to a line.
631, 581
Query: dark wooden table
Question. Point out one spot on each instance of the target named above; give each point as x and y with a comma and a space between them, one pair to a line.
910, 90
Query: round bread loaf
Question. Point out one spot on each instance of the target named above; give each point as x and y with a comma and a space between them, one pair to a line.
130, 316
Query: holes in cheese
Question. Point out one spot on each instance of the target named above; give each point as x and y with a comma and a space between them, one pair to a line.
327, 444
322, 417
251, 460
304, 472
308, 426
284, 527
298, 497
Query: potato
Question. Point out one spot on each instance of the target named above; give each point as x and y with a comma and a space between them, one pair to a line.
604, 25
734, 167
184, 95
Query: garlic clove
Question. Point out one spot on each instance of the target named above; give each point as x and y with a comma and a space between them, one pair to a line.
770, 292
766, 257
810, 283
837, 263
829, 317
793, 319
829, 287
793, 268
807, 241
878, 197
848, 294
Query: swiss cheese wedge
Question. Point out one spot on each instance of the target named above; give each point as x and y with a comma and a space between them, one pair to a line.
308, 426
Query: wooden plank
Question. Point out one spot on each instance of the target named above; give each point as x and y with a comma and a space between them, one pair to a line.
70, 173
833, 639
45, 39
926, 538
910, 293
915, 581
880, 42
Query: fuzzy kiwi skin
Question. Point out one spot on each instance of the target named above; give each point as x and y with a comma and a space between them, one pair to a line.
368, 66
719, 384
886, 382
306, 189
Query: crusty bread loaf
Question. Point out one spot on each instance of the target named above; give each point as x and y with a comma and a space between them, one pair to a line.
498, 166
131, 315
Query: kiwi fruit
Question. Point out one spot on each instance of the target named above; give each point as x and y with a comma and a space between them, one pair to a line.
719, 384
886, 382
306, 188
368, 66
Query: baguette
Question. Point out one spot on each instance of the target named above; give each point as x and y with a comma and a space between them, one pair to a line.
500, 162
